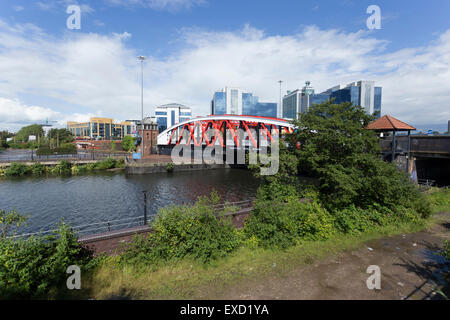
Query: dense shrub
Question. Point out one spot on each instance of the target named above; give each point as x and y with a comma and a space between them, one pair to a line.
63, 167
18, 169
191, 231
38, 169
36, 267
108, 163
128, 143
67, 148
285, 222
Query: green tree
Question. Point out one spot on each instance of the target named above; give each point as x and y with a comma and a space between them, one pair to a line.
64, 135
31, 130
128, 143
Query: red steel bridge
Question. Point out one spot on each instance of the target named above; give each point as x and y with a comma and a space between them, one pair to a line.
224, 130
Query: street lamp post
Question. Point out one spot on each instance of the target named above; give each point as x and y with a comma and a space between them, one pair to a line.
281, 106
142, 58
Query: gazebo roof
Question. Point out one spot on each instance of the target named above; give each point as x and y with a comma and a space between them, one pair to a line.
388, 123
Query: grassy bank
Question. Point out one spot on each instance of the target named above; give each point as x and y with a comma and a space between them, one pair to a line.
189, 279
64, 167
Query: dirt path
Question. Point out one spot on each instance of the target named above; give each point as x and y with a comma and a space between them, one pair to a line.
407, 262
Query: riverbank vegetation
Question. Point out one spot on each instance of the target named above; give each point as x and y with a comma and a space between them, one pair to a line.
35, 267
64, 167
357, 197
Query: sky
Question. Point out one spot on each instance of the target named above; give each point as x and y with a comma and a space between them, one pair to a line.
195, 47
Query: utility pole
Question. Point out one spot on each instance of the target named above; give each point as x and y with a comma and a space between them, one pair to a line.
280, 111
142, 58
145, 207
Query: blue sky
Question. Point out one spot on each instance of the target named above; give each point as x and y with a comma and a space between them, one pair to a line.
197, 46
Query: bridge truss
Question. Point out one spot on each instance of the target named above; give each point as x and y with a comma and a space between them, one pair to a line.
225, 129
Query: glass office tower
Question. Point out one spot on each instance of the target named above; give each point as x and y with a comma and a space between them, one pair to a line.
361, 93
236, 101
170, 114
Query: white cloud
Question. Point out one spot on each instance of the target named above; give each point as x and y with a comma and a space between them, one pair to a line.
18, 8
50, 5
171, 5
101, 73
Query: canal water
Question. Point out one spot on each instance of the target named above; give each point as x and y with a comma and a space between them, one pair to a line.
90, 199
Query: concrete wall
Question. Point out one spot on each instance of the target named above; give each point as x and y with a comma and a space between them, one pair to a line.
162, 167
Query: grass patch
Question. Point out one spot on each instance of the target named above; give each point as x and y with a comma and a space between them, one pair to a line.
188, 279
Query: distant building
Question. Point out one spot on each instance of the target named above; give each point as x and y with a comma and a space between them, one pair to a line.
99, 128
170, 114
361, 93
299, 101
236, 101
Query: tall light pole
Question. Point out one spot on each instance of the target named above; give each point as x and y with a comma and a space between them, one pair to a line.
280, 112
142, 58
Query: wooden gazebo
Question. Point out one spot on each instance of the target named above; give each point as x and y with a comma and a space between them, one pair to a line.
390, 124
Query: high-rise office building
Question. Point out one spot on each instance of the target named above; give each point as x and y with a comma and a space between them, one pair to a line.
361, 93
298, 101
170, 114
236, 101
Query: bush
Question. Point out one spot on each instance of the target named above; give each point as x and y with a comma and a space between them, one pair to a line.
169, 167
18, 169
286, 221
36, 267
185, 232
67, 148
63, 167
120, 163
108, 163
128, 143
38, 169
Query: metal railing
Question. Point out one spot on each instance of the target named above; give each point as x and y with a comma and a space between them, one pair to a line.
125, 223
56, 157
93, 228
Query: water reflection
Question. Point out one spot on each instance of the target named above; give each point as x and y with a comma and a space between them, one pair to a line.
95, 198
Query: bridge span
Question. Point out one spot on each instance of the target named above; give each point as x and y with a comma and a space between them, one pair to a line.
223, 130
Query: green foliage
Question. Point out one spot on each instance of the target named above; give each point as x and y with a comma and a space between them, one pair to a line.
18, 169
63, 167
10, 220
286, 220
38, 169
352, 189
107, 163
169, 167
68, 148
36, 267
120, 163
128, 143
64, 135
113, 146
185, 231
25, 132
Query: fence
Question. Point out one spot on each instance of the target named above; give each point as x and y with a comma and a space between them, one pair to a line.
126, 223
31, 157
94, 228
